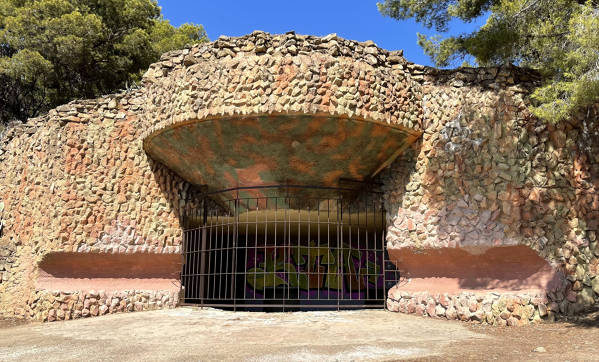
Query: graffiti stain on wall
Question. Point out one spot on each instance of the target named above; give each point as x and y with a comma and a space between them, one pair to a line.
343, 269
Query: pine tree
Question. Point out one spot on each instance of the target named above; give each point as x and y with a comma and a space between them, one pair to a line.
53, 51
559, 38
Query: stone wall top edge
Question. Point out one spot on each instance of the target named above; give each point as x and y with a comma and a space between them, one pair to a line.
291, 44
66, 113
492, 294
74, 105
425, 75
493, 77
284, 45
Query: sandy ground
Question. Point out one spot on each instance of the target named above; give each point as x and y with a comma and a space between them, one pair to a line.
190, 335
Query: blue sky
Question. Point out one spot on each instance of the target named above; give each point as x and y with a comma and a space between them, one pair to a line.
351, 19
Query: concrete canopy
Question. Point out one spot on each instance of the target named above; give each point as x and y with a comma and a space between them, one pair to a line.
229, 152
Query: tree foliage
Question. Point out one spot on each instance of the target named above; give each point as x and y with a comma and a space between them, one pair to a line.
53, 51
560, 38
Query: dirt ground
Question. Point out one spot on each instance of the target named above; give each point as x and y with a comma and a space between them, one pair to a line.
209, 334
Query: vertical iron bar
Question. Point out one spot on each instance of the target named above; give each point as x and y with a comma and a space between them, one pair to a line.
264, 271
367, 249
256, 249
203, 257
192, 248
317, 254
245, 251
234, 256
349, 249
376, 253
339, 241
285, 252
328, 247
274, 254
214, 252
357, 270
184, 266
383, 252
299, 232
309, 242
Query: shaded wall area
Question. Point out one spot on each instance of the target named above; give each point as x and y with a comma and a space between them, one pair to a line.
508, 269
486, 174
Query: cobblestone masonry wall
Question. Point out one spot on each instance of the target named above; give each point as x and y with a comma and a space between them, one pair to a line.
56, 305
260, 74
487, 174
77, 180
484, 172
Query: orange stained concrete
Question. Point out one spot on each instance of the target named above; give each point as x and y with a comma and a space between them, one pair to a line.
86, 271
454, 270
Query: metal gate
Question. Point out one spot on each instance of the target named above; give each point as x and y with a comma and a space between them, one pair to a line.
286, 248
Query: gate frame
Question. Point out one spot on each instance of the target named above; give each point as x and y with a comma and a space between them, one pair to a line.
336, 195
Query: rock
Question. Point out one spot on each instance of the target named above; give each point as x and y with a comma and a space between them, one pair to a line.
595, 284
431, 309
451, 313
138, 306
478, 316
103, 309
112, 104
539, 350
472, 306
571, 296
587, 296
189, 60
542, 310
51, 315
392, 305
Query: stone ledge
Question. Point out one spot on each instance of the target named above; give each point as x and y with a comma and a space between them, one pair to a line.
490, 308
49, 306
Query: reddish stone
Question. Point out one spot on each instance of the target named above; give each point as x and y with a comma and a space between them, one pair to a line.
431, 309
473, 306
444, 300
571, 296
411, 306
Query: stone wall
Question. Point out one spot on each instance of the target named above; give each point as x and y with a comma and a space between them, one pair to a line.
485, 174
78, 180
291, 74
57, 305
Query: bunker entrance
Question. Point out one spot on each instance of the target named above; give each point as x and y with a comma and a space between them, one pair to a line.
283, 248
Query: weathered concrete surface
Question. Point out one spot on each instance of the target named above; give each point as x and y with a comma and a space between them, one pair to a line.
189, 334
101, 271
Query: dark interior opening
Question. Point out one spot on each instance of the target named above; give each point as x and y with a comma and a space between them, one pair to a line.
282, 252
